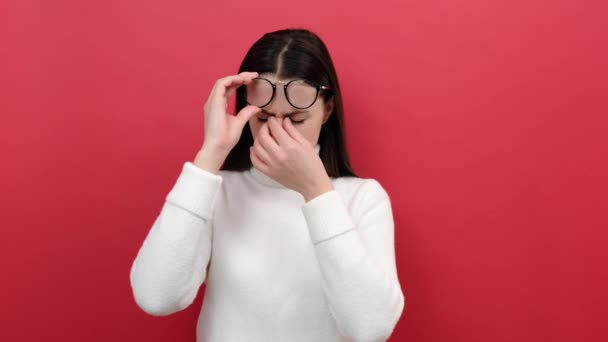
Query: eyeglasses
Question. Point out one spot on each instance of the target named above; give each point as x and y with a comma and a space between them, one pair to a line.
301, 94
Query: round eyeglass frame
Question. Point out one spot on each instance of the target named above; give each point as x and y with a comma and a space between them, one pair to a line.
274, 87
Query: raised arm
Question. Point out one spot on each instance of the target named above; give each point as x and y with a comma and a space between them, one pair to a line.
172, 262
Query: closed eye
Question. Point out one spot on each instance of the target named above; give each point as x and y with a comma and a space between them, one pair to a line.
292, 120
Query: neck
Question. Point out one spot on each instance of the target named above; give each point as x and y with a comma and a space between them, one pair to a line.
265, 180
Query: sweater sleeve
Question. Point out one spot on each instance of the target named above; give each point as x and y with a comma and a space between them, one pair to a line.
356, 254
171, 264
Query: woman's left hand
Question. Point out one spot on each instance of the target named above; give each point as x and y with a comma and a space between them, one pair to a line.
288, 157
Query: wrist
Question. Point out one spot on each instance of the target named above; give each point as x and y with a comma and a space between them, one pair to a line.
209, 159
318, 190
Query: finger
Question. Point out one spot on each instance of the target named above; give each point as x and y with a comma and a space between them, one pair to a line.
232, 81
245, 114
292, 131
249, 73
267, 141
261, 152
227, 86
231, 90
256, 161
219, 94
277, 131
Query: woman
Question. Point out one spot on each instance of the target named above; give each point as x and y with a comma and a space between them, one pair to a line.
291, 244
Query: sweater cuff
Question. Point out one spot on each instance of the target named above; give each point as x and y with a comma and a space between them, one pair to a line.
326, 216
195, 190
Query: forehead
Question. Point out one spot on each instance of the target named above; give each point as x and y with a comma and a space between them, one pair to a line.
272, 77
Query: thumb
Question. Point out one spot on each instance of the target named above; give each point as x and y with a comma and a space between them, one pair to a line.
245, 114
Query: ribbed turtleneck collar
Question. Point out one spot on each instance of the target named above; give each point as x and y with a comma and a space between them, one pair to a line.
266, 180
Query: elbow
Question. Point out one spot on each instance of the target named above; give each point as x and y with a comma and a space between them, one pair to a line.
158, 300
386, 326
156, 307
159, 303
381, 327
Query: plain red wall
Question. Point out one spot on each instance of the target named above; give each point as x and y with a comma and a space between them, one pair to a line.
484, 120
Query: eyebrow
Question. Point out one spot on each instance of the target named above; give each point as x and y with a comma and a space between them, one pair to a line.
286, 114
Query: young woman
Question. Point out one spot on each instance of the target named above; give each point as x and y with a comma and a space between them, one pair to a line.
291, 244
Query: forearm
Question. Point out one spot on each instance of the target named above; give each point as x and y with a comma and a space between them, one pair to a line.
366, 302
171, 263
358, 276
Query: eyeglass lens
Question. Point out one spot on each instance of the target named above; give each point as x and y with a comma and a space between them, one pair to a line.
300, 94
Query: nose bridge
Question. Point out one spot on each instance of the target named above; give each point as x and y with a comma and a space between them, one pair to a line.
279, 103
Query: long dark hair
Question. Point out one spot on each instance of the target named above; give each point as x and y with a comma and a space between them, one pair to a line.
296, 53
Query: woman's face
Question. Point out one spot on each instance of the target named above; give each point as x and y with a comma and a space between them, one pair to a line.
307, 121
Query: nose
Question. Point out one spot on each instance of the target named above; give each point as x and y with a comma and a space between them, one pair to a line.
279, 106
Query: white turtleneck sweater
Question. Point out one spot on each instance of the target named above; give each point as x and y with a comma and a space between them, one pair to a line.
276, 268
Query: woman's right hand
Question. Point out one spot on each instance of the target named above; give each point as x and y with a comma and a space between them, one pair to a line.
223, 130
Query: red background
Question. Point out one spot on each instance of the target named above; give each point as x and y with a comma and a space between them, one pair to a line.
484, 120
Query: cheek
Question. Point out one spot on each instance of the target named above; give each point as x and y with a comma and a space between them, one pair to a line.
306, 129
254, 125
